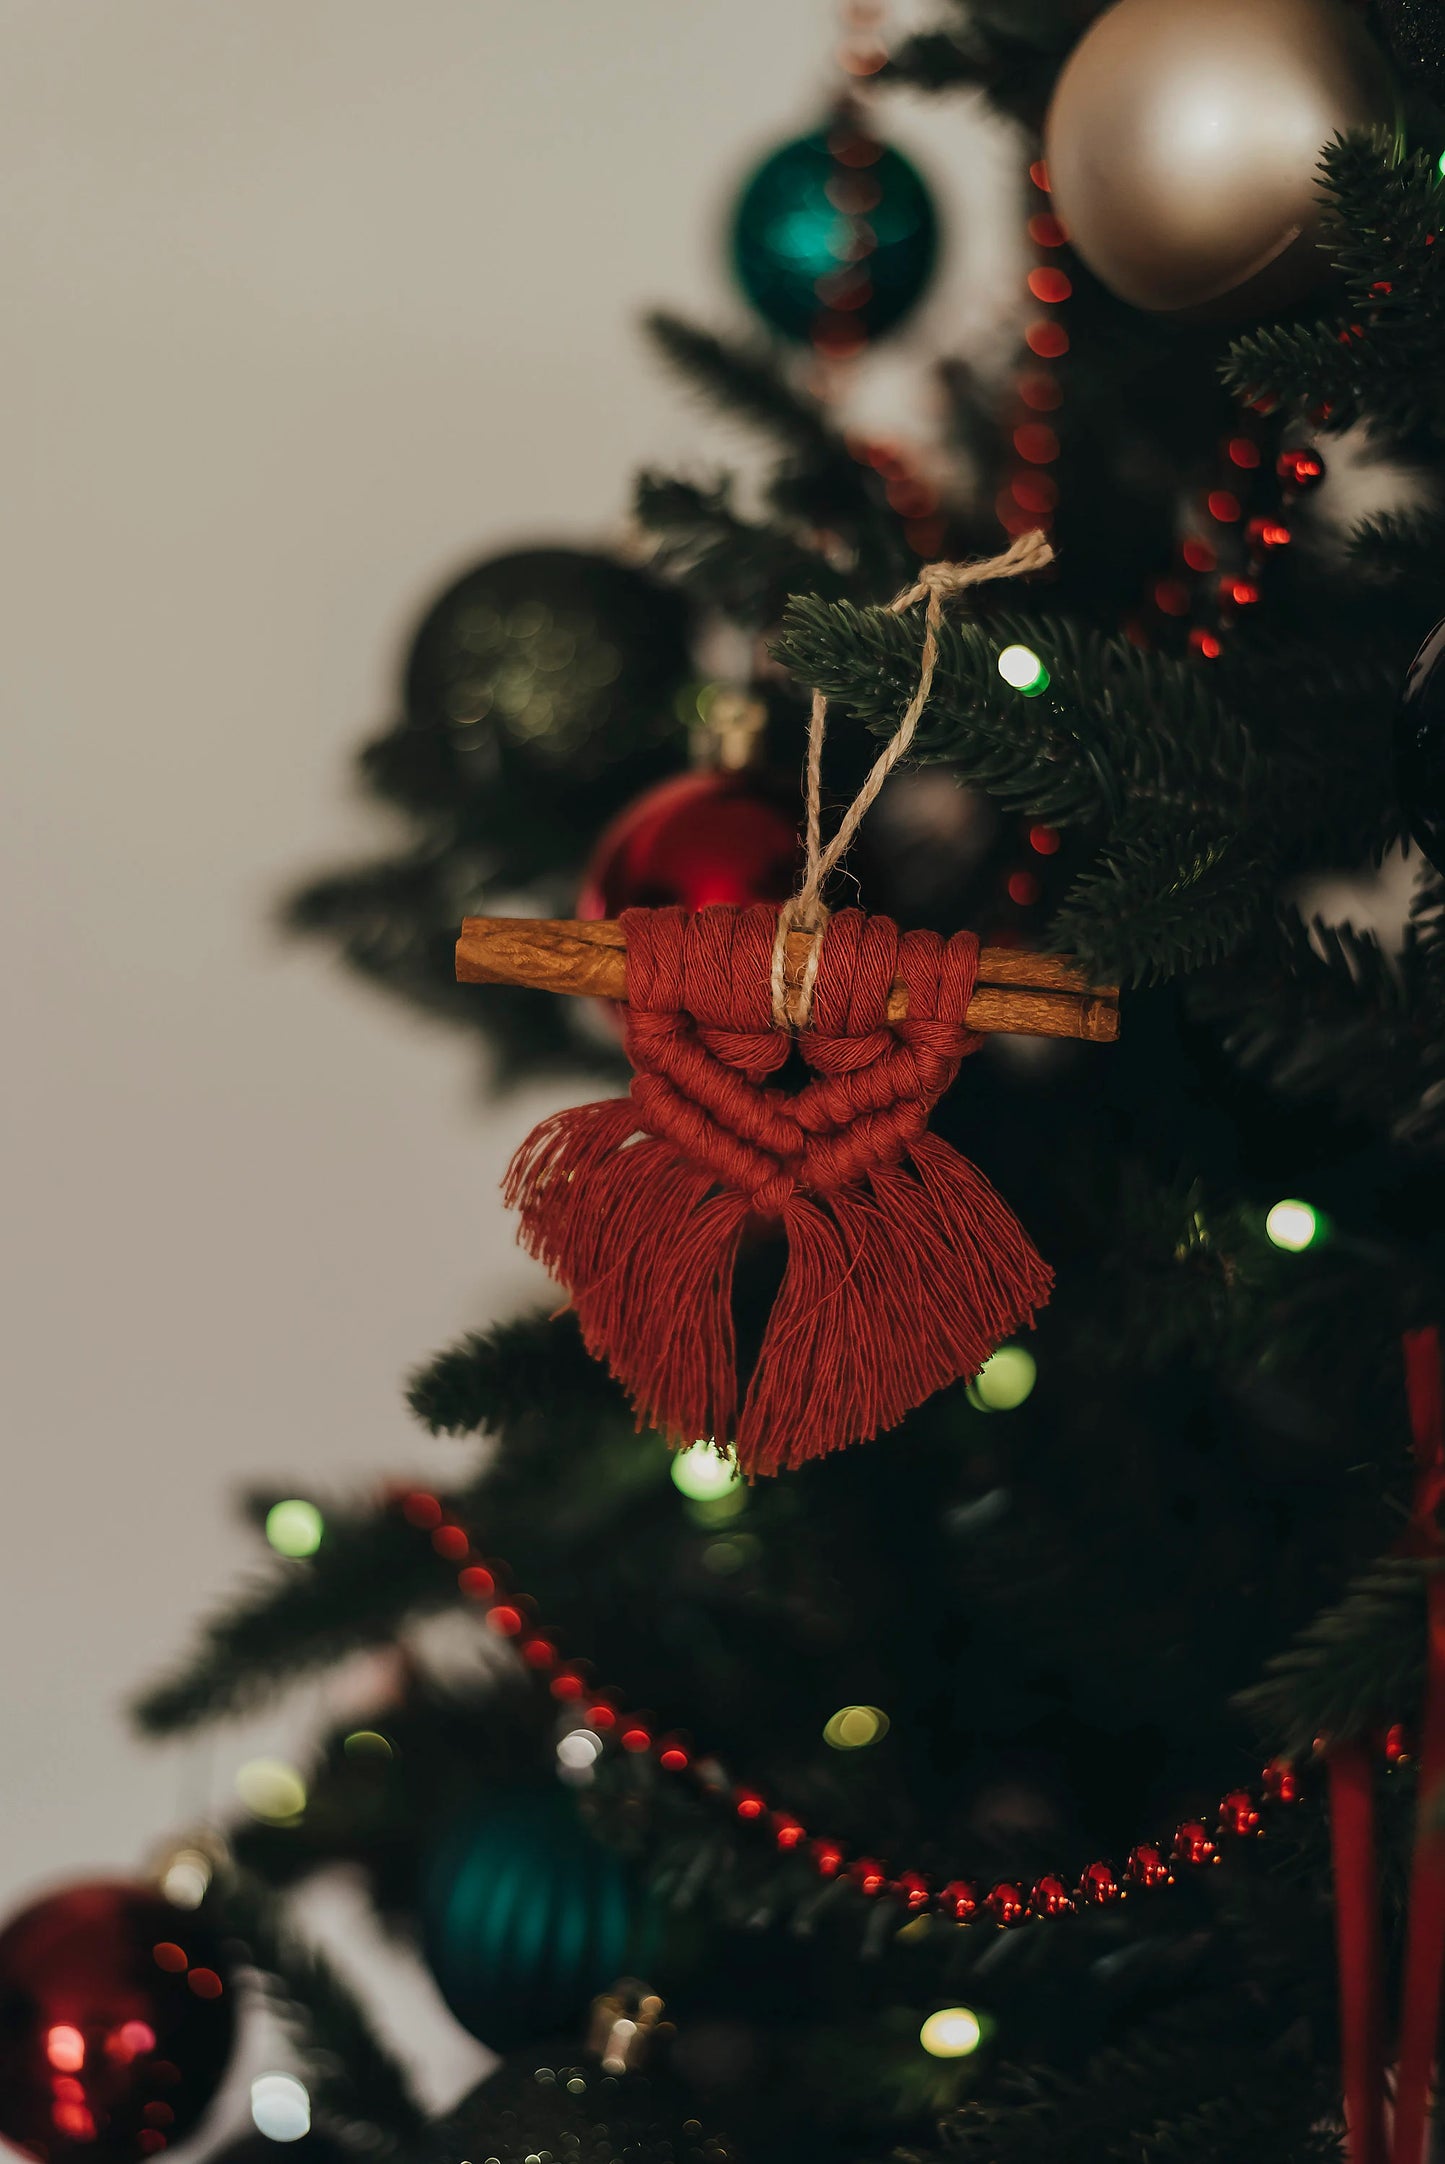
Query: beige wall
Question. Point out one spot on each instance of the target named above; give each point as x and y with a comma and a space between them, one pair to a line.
301, 302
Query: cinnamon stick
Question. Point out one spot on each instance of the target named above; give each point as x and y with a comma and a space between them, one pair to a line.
1036, 995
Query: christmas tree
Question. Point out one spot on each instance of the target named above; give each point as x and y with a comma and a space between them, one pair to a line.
1057, 1774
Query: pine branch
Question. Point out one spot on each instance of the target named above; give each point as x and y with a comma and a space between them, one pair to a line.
1353, 1670
746, 382
1321, 1011
737, 565
368, 1575
1142, 915
1383, 359
359, 2090
1184, 2098
532, 1374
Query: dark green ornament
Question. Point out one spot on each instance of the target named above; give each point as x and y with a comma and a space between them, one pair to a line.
551, 663
526, 1916
834, 238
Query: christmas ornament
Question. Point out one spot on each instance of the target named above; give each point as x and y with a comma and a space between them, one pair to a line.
562, 2103
1183, 145
834, 237
551, 659
695, 839
116, 2023
526, 1915
904, 1269
1415, 32
1420, 748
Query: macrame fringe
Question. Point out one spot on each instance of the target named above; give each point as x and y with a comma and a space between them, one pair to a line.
894, 1286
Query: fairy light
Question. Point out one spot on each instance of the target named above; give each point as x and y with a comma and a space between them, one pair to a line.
271, 1790
294, 1527
1021, 667
703, 1473
1293, 1225
952, 2033
280, 2107
186, 1879
1004, 1381
853, 1728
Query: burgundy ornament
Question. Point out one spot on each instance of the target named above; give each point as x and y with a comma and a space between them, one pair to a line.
1006, 1904
1300, 467
1098, 1885
709, 836
1281, 1782
1146, 1866
959, 1899
116, 2024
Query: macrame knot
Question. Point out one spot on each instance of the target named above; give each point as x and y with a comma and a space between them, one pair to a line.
904, 1268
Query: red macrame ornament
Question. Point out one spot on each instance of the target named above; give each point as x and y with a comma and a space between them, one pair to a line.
904, 1267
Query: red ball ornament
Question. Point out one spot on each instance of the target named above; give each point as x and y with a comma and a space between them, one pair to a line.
709, 836
116, 2024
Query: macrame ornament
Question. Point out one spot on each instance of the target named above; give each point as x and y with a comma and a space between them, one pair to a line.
904, 1268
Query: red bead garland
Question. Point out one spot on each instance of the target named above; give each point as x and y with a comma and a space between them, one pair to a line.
1195, 1844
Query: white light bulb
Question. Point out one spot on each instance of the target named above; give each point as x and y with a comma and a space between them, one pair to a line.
280, 2107
1020, 666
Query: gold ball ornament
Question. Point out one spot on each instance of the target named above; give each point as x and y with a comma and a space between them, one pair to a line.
1184, 139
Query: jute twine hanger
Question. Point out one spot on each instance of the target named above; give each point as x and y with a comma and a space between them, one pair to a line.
807, 912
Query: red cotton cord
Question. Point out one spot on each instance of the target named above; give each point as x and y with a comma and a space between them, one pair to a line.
904, 1268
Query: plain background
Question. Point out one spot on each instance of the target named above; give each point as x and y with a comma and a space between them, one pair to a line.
306, 303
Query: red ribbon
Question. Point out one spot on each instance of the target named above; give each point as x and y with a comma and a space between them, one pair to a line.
1352, 1831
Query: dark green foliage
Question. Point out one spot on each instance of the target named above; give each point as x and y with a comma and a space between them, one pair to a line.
1183, 2098
1357, 1667
369, 1574
359, 2091
1381, 358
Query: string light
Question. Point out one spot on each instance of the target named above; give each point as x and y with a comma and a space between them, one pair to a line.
1021, 667
853, 1728
280, 2107
1004, 1381
368, 1743
1293, 1225
294, 1527
186, 1879
952, 2033
703, 1473
271, 1790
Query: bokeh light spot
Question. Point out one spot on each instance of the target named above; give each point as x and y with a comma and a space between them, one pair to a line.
1293, 1225
271, 1790
952, 2033
703, 1473
852, 1728
280, 2107
294, 1527
1005, 1380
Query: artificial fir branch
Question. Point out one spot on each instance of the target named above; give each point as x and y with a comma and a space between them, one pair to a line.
741, 566
1352, 1671
368, 1576
747, 382
360, 2092
1380, 361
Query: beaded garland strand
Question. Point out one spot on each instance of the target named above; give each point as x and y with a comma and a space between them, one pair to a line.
1197, 1843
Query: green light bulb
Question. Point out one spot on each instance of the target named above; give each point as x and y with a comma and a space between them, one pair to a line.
703, 1474
1021, 667
1294, 1226
294, 1527
952, 2033
1004, 1381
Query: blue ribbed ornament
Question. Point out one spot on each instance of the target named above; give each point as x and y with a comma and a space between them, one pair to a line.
526, 1916
834, 238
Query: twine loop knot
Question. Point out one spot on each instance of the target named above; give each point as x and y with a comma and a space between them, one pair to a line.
806, 910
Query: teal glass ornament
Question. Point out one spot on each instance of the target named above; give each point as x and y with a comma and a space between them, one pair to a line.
526, 1915
834, 238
